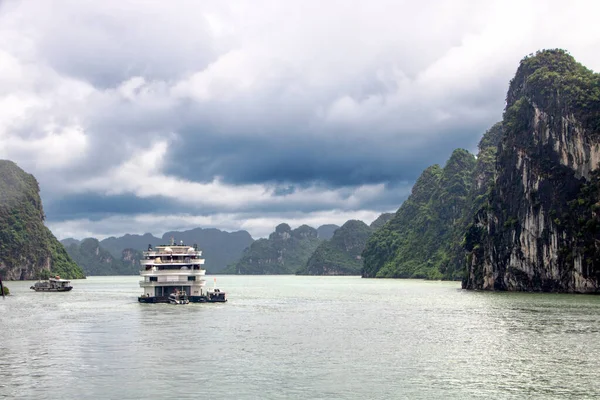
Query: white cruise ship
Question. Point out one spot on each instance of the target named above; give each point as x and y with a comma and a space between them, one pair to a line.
175, 274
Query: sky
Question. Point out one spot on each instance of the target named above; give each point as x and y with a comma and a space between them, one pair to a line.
148, 116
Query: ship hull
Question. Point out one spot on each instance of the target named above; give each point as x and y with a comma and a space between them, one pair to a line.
51, 289
192, 299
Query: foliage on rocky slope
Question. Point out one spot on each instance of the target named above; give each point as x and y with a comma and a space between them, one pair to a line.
418, 241
28, 250
284, 252
95, 260
340, 255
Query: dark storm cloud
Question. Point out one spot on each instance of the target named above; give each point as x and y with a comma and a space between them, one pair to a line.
302, 158
94, 206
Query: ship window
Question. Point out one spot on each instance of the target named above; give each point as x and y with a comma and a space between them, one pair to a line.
154, 279
191, 278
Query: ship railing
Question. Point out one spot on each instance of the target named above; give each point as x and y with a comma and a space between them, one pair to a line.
172, 280
174, 272
192, 261
201, 283
170, 253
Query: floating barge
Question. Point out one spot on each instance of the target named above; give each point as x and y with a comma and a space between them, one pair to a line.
175, 271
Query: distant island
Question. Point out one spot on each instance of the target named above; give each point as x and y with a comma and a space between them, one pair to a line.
284, 252
121, 255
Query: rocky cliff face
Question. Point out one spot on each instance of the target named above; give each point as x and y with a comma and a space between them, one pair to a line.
131, 258
28, 250
539, 229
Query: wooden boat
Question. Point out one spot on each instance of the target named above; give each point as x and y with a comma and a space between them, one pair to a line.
53, 285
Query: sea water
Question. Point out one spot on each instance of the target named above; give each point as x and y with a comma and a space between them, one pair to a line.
297, 337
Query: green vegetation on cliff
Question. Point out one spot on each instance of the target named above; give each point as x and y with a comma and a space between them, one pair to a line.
28, 250
556, 82
420, 240
284, 252
381, 220
482, 179
95, 260
341, 255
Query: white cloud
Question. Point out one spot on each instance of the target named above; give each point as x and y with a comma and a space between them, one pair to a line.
59, 147
132, 87
142, 176
233, 72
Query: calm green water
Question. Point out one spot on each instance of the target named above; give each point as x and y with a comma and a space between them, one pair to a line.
299, 338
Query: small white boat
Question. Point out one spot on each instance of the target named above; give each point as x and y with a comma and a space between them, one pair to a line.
178, 298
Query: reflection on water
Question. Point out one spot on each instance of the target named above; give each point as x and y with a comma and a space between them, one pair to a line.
301, 338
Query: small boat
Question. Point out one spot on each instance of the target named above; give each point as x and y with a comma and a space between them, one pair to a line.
53, 285
216, 296
178, 298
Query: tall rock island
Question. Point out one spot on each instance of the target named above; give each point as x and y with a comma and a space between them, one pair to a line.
539, 226
28, 250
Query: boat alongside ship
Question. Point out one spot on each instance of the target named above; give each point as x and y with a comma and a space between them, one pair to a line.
53, 285
174, 274
179, 298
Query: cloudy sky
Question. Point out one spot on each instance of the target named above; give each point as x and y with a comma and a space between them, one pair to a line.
146, 116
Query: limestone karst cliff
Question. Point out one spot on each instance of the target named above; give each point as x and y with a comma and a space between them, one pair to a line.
539, 228
285, 251
340, 255
95, 260
28, 250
